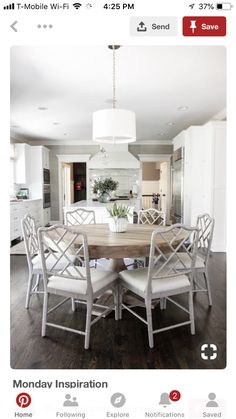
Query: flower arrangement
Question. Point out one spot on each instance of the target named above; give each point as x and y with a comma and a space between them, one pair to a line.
103, 187
106, 185
119, 211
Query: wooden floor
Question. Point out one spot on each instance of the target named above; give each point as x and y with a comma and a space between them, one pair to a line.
116, 345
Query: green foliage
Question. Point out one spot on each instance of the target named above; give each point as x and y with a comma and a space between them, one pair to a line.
106, 185
118, 211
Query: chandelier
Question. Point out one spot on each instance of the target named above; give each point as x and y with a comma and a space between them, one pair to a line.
114, 126
103, 156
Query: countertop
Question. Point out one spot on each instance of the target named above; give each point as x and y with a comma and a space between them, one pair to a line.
132, 203
19, 201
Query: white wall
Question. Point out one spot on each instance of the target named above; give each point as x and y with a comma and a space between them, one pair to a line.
150, 186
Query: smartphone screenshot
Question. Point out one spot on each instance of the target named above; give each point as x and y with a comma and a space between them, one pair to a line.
117, 168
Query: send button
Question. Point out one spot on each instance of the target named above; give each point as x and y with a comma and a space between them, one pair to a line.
153, 26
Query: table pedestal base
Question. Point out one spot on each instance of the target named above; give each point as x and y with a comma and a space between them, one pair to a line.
116, 265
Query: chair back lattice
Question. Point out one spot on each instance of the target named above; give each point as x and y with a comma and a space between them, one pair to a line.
151, 216
60, 245
205, 224
30, 236
79, 216
167, 246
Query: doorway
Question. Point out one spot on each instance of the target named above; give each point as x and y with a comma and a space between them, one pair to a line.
156, 180
73, 183
150, 184
72, 179
79, 182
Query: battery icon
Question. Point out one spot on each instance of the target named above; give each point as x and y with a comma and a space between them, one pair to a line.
224, 6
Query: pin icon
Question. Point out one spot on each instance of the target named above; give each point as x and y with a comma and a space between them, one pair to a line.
193, 25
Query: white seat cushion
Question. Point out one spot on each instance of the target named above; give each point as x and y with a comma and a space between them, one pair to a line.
37, 262
99, 279
137, 278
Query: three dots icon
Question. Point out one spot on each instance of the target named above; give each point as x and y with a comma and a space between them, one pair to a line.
39, 26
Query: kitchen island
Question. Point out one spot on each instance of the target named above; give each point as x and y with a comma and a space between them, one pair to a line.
100, 209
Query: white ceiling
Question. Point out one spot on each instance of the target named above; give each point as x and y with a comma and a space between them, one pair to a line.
73, 82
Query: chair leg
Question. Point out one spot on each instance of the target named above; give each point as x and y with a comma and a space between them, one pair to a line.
191, 312
194, 282
120, 302
88, 324
116, 301
146, 262
149, 323
45, 311
208, 287
162, 303
37, 282
72, 304
29, 289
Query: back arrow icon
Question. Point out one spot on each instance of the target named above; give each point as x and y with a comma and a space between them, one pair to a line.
13, 26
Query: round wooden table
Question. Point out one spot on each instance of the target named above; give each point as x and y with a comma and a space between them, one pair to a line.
133, 243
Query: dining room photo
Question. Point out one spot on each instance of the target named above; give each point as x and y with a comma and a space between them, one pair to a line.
118, 207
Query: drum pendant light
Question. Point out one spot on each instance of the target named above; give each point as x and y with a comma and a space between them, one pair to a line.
114, 126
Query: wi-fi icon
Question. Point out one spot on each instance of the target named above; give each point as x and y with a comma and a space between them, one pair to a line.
77, 5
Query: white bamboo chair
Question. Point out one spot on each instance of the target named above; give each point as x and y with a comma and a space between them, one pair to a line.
205, 224
76, 280
149, 216
152, 216
162, 280
33, 258
32, 249
79, 216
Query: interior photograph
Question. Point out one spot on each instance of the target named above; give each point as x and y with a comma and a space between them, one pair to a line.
118, 207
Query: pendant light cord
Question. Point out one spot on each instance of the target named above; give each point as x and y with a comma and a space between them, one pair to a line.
114, 78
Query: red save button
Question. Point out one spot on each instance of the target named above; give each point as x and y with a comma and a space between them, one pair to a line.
204, 26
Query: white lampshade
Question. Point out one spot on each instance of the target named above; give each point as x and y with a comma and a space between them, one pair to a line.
114, 126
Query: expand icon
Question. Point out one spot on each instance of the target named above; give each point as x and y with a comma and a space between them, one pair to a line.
209, 351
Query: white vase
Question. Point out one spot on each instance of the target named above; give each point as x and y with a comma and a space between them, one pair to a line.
118, 225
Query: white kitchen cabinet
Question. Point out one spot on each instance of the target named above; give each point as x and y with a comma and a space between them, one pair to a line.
45, 157
22, 164
29, 164
39, 161
15, 217
205, 176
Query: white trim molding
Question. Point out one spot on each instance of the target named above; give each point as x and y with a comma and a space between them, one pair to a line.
45, 142
69, 158
73, 158
154, 157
